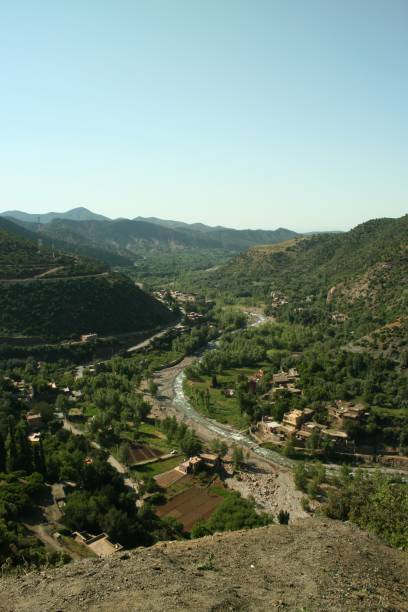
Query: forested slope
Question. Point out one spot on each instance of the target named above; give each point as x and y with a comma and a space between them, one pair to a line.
365, 268
48, 293
136, 238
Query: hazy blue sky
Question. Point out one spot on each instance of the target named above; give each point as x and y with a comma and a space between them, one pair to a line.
247, 114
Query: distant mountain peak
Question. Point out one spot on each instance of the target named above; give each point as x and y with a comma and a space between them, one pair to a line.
80, 213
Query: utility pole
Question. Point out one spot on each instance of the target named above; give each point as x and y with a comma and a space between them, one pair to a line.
40, 242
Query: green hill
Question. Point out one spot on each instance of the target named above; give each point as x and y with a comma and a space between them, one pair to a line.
64, 240
363, 269
57, 295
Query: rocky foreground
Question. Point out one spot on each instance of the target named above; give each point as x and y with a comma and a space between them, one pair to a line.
315, 565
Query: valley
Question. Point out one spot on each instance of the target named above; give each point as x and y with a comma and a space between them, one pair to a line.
194, 401
204, 307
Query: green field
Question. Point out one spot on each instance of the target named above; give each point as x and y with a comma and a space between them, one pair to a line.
153, 469
398, 413
159, 359
150, 435
223, 409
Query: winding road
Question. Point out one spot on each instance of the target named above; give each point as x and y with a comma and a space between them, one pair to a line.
117, 465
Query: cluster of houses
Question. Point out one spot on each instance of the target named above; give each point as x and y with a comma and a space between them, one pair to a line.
194, 317
207, 461
21, 389
299, 426
179, 296
282, 381
278, 299
88, 337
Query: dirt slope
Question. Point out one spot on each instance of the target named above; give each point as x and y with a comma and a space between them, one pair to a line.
315, 565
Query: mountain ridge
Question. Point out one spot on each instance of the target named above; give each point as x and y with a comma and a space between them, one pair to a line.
134, 238
362, 274
79, 213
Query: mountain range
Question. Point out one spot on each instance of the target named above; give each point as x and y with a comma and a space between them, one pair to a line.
75, 214
80, 229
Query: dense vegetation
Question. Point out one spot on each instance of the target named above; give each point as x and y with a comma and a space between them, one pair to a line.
22, 258
98, 500
68, 307
232, 514
73, 295
326, 374
368, 266
376, 502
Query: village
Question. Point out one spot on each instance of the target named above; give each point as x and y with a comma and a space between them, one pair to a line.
298, 424
183, 483
185, 486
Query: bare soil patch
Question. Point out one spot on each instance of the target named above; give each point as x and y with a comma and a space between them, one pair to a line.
190, 506
142, 452
168, 478
316, 566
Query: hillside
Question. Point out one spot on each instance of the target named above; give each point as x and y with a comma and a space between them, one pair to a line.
134, 239
48, 293
367, 266
316, 565
63, 241
230, 238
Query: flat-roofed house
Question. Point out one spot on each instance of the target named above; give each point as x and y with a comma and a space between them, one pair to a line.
100, 544
34, 421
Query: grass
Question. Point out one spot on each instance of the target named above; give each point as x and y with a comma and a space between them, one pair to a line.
91, 411
153, 469
223, 409
158, 359
178, 487
398, 413
150, 435
208, 564
221, 491
76, 548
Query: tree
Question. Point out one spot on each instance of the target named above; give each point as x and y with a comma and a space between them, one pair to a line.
219, 447
237, 457
62, 403
24, 453
289, 448
123, 452
2, 455
153, 388
300, 476
233, 513
116, 524
283, 517
190, 444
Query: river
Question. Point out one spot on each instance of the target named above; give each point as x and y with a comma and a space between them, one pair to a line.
183, 406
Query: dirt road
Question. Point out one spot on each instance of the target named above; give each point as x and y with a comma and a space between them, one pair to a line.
117, 465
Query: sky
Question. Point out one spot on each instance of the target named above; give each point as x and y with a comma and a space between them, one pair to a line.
257, 113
